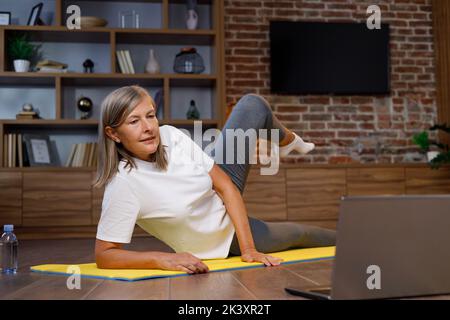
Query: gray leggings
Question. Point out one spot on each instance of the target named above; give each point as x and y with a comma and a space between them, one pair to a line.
253, 111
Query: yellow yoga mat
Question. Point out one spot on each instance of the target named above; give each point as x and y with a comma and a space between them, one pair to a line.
90, 270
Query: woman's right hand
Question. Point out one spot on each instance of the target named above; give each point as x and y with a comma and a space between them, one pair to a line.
182, 261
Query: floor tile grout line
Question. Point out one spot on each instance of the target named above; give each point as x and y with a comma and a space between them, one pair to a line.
303, 277
92, 290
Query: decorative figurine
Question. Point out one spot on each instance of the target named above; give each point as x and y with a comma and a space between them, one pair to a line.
85, 104
28, 112
88, 66
193, 113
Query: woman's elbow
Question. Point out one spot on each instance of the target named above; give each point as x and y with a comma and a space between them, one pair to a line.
102, 261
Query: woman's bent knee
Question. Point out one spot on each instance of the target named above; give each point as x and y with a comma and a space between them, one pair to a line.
255, 103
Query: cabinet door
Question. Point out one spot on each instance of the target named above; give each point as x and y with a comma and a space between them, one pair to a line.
57, 199
427, 181
11, 198
97, 199
265, 196
314, 194
375, 181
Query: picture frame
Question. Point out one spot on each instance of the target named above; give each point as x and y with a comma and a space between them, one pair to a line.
5, 18
34, 18
40, 151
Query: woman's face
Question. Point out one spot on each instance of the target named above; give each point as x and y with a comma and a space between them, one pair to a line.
139, 133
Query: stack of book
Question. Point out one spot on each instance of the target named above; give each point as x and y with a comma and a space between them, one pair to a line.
14, 153
125, 62
27, 115
83, 155
51, 66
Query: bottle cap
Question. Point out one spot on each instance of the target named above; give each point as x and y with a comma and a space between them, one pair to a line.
8, 227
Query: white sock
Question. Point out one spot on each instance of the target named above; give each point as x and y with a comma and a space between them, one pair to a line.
297, 144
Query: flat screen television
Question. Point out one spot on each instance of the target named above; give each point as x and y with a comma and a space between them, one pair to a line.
329, 58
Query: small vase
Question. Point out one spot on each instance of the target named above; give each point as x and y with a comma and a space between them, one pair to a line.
21, 65
152, 64
193, 113
191, 19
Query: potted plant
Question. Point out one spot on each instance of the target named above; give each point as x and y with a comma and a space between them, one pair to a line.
22, 51
437, 153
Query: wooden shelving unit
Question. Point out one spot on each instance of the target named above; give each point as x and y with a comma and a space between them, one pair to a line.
115, 37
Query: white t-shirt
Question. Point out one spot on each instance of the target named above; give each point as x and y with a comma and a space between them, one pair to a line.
177, 206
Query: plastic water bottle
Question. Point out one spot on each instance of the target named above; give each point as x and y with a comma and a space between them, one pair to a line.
8, 250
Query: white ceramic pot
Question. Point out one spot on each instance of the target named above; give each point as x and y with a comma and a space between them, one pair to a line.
191, 19
152, 65
431, 155
21, 65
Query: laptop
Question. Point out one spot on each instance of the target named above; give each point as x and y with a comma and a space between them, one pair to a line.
389, 247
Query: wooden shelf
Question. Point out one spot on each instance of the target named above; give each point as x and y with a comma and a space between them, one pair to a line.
51, 169
128, 35
108, 79
91, 122
53, 125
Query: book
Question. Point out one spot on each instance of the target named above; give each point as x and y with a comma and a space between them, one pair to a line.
71, 154
5, 150
129, 61
86, 155
76, 155
26, 117
13, 150
124, 61
20, 150
120, 61
9, 150
51, 63
27, 112
50, 70
82, 150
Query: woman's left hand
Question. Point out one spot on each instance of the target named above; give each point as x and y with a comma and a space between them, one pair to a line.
255, 256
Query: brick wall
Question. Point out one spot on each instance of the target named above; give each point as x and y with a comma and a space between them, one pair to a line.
362, 128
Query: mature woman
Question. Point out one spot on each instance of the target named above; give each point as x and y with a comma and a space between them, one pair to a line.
158, 178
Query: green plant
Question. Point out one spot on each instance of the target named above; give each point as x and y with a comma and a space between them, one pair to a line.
422, 139
20, 47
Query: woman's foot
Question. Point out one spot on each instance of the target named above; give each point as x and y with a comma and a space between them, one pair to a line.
296, 144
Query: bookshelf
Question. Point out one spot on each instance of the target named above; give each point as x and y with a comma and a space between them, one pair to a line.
55, 94
59, 201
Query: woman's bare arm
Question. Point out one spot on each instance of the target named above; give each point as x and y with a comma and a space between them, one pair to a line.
238, 213
110, 255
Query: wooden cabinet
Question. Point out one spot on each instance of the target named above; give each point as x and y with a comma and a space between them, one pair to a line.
11, 198
57, 199
375, 181
61, 203
314, 194
423, 181
265, 196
